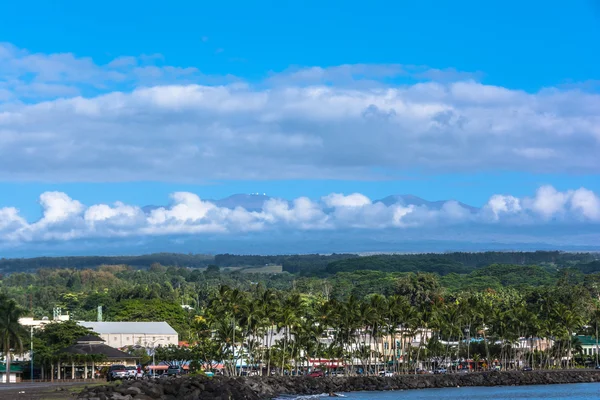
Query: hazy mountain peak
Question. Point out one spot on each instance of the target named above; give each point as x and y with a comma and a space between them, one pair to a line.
251, 202
255, 202
412, 200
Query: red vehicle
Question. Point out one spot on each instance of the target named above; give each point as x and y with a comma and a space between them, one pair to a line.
316, 374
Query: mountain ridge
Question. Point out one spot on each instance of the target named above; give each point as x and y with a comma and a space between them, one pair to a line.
255, 202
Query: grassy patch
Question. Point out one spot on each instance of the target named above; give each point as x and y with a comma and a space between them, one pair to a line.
267, 269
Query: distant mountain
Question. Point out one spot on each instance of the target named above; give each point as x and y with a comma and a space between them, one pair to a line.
255, 202
411, 200
251, 202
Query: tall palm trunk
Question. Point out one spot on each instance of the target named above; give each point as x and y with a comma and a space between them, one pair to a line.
597, 343
7, 352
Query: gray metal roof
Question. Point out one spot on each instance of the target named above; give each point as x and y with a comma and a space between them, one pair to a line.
110, 352
148, 328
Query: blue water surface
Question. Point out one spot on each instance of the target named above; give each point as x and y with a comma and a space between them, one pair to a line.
577, 391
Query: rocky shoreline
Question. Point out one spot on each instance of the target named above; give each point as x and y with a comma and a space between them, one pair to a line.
262, 388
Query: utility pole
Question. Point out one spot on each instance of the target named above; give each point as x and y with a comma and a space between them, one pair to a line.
153, 357
31, 352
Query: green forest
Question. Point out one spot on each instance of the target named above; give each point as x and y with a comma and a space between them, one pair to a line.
129, 292
539, 294
312, 264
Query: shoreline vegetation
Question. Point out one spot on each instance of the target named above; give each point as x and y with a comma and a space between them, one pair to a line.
263, 388
371, 315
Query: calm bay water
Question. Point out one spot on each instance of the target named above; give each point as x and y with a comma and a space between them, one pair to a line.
577, 391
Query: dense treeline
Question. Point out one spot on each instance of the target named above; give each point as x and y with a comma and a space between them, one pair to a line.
128, 293
451, 295
458, 263
399, 263
9, 265
588, 268
316, 264
291, 263
356, 301
419, 324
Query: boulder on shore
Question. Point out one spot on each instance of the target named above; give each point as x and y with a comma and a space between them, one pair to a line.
262, 388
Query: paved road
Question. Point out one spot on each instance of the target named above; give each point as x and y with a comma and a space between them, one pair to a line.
40, 385
41, 390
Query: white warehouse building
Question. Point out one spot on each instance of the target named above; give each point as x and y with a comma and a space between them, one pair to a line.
121, 334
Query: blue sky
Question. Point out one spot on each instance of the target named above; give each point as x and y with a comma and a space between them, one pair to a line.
516, 44
132, 101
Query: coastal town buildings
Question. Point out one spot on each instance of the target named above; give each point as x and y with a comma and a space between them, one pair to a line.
589, 345
124, 334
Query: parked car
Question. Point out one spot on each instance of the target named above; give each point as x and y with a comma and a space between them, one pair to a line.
134, 373
526, 369
174, 370
440, 371
154, 375
386, 373
316, 374
116, 371
598, 366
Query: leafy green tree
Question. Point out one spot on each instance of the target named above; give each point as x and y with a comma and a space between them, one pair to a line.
152, 310
419, 288
11, 331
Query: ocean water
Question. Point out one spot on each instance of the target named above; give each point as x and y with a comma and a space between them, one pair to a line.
576, 391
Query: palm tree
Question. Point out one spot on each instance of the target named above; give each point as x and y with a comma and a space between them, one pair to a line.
395, 310
570, 320
287, 319
595, 322
11, 332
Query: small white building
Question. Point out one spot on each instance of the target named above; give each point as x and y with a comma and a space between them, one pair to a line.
29, 322
122, 334
14, 375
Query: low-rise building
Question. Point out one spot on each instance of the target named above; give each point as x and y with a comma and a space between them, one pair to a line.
534, 344
589, 345
93, 345
122, 334
30, 322
14, 375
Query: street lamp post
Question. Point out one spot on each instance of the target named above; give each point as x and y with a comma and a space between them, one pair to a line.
31, 352
153, 356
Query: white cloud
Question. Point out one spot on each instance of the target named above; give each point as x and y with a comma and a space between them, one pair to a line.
587, 203
352, 200
302, 213
27, 75
500, 204
65, 218
137, 119
549, 202
10, 221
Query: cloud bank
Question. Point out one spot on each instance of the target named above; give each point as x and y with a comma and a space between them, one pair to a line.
65, 118
67, 219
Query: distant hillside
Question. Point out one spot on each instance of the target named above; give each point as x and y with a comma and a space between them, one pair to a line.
589, 268
447, 263
318, 264
8, 265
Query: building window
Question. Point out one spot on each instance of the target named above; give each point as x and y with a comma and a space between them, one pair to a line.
153, 338
115, 338
127, 338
